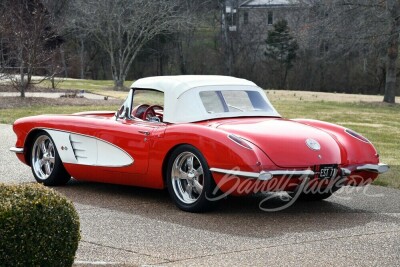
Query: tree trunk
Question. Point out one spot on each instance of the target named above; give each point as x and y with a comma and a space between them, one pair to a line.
285, 78
227, 41
392, 51
63, 61
82, 58
182, 60
119, 83
21, 84
391, 69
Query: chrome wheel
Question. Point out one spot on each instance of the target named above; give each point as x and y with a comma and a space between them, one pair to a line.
43, 157
187, 177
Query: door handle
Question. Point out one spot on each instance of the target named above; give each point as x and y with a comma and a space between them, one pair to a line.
144, 132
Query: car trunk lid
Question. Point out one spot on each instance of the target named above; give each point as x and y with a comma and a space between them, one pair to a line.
287, 143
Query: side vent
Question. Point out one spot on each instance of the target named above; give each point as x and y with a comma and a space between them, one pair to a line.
78, 148
85, 149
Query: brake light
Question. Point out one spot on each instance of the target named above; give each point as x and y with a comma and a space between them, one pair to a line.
357, 136
239, 141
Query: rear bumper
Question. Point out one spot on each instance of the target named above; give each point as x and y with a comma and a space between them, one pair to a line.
265, 175
268, 175
377, 168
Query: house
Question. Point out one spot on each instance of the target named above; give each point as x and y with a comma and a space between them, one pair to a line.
246, 28
248, 23
260, 14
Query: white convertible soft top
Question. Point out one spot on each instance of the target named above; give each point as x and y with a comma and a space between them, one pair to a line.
177, 85
182, 102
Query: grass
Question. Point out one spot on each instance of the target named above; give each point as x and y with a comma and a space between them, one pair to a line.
379, 122
102, 87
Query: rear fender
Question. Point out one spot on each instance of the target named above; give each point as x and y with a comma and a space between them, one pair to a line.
353, 150
220, 150
215, 145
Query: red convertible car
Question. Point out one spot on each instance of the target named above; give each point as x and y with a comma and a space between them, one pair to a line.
211, 135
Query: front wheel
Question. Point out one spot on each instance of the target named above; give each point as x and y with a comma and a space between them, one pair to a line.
189, 180
46, 163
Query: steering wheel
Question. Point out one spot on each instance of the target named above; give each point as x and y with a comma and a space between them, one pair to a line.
150, 112
139, 111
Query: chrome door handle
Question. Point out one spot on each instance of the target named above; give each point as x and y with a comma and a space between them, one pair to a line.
144, 132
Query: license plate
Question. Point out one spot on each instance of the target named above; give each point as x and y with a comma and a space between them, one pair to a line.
327, 171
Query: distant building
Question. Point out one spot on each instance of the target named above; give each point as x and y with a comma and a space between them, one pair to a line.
245, 30
251, 20
258, 13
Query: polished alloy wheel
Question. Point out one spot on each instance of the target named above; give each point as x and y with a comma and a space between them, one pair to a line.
187, 177
43, 157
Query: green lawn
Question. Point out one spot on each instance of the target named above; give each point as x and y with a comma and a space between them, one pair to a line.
103, 87
83, 84
379, 122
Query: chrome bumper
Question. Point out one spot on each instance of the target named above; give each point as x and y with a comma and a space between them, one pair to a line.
268, 175
264, 175
378, 168
17, 150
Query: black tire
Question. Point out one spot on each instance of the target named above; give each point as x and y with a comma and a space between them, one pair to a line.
184, 179
46, 164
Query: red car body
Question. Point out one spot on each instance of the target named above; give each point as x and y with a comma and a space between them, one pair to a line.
259, 151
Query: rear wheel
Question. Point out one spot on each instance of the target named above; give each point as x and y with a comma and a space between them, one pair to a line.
46, 164
189, 180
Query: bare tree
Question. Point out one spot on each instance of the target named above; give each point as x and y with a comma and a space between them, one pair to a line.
31, 41
229, 18
359, 27
123, 27
393, 8
197, 11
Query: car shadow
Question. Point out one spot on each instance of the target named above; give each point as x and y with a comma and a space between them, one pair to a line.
239, 216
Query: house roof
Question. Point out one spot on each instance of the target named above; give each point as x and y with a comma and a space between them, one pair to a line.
267, 3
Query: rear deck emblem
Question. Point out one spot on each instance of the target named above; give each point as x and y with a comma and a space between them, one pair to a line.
313, 144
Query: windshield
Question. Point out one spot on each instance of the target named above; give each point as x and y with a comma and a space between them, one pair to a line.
233, 101
147, 96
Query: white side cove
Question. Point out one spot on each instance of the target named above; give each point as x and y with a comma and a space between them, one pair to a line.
87, 150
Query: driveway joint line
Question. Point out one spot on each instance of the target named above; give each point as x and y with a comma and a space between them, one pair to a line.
126, 250
283, 245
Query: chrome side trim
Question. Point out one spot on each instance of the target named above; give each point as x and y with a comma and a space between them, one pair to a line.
379, 168
17, 150
293, 173
264, 175
345, 172
236, 172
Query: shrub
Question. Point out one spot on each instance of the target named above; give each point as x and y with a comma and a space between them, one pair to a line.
38, 227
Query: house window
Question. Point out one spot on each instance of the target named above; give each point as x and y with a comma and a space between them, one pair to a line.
270, 18
324, 48
245, 17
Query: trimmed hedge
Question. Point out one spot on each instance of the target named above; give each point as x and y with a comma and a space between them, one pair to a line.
38, 227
